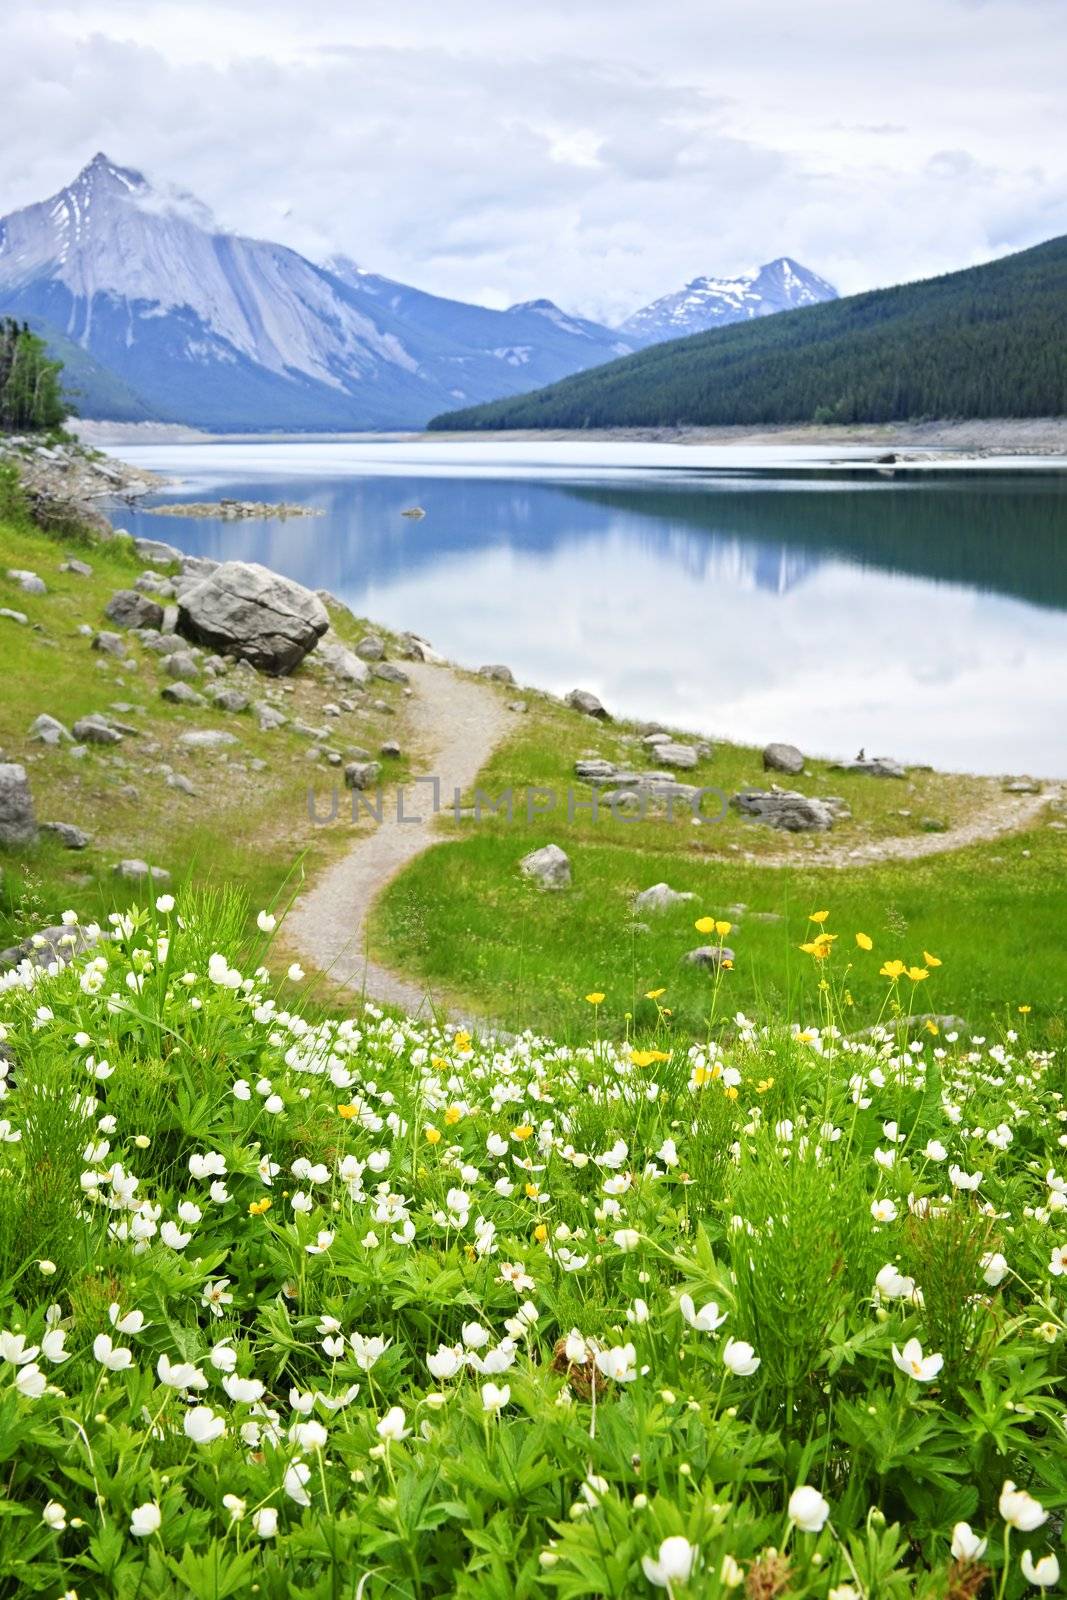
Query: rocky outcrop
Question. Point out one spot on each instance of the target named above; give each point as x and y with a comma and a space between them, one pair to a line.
588, 704
788, 810
18, 823
131, 609
241, 609
872, 767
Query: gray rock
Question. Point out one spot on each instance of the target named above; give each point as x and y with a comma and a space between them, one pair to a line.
96, 729
158, 553
872, 766
342, 662
242, 609
581, 700
197, 566
269, 717
497, 673
390, 748
111, 644
135, 871
82, 568
14, 616
518, 706
371, 648
389, 672
362, 774
182, 664
18, 824
785, 809
230, 700
176, 780
28, 582
414, 648
709, 955
304, 730
595, 770
1023, 786
207, 739
182, 694
676, 755
783, 758
50, 945
131, 609
549, 867
48, 730
70, 837
162, 644
170, 618
660, 897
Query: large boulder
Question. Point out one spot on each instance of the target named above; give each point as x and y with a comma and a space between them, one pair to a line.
18, 824
549, 867
131, 609
784, 808
242, 609
783, 758
155, 551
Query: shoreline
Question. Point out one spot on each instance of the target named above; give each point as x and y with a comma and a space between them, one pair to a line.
979, 439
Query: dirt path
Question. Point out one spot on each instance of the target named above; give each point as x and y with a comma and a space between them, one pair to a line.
455, 725
1008, 813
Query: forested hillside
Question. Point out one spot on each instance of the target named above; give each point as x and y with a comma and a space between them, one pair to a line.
990, 341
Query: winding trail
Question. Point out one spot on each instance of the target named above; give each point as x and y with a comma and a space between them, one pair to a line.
455, 724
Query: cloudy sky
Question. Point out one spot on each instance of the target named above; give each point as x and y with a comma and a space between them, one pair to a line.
601, 152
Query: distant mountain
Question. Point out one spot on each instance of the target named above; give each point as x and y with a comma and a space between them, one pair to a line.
990, 341
782, 285
198, 326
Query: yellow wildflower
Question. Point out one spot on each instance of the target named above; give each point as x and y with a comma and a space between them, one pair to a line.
1024, 1011
595, 998
540, 1233
865, 941
452, 1115
532, 1191
257, 1208
723, 928
522, 1133
348, 1112
892, 969
654, 994
917, 974
818, 916
433, 1135
931, 961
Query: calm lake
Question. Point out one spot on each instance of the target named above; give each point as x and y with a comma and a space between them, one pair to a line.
742, 593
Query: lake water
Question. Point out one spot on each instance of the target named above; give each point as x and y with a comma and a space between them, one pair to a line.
750, 594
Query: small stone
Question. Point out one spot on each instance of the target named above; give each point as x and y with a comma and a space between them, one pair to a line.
155, 551
131, 609
136, 871
18, 824
16, 616
177, 780
47, 730
549, 867
112, 644
389, 748
362, 774
389, 672
181, 664
872, 767
96, 729
497, 673
709, 955
70, 837
207, 739
676, 755
28, 582
182, 694
82, 568
660, 897
783, 758
371, 647
269, 717
588, 704
230, 700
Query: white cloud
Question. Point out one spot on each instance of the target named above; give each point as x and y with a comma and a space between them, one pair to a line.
595, 152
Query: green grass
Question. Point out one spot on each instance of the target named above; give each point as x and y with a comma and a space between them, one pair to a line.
243, 826
463, 917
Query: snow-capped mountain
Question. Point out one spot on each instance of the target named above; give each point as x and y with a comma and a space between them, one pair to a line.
214, 329
782, 285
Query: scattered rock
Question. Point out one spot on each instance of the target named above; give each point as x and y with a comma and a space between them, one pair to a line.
550, 867
14, 616
371, 648
18, 823
709, 955
230, 700
82, 568
1023, 786
660, 897
268, 717
58, 944
96, 729
162, 644
414, 648
362, 774
182, 694
872, 766
182, 664
595, 769
342, 662
70, 837
28, 582
48, 730
581, 700
207, 739
390, 748
112, 644
795, 813
130, 609
389, 672
497, 673
242, 609
518, 706
158, 553
676, 755
783, 758
175, 780
134, 871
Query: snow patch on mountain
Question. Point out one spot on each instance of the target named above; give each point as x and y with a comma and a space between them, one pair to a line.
781, 285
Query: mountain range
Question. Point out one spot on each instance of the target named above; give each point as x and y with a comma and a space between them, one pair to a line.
988, 341
157, 314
